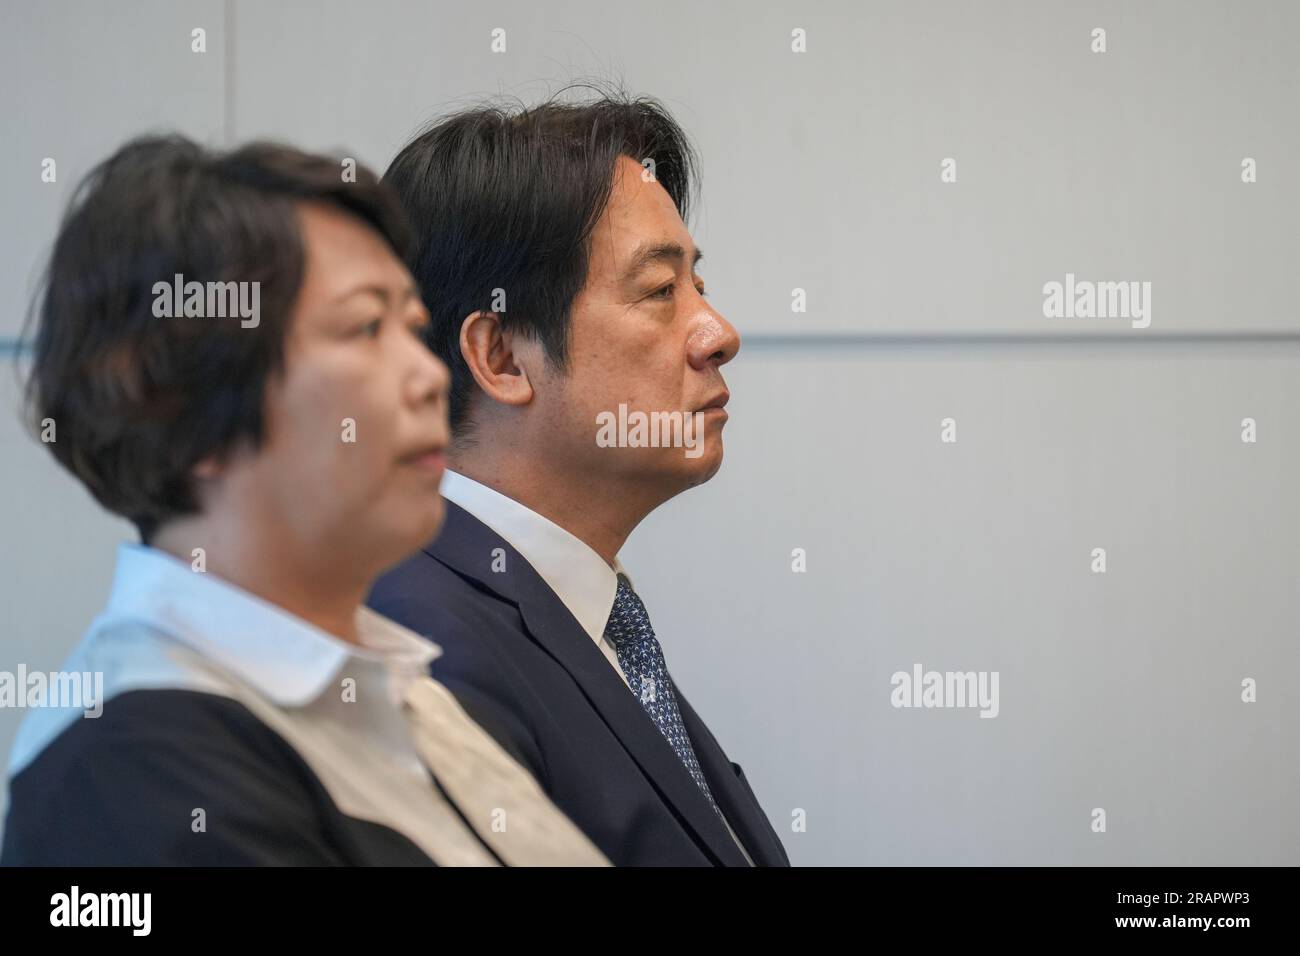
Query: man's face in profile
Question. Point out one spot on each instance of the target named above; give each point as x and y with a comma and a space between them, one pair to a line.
643, 335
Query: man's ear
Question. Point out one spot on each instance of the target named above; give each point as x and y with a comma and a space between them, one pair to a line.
498, 358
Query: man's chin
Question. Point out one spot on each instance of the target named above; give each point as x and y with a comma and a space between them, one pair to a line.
672, 470
701, 469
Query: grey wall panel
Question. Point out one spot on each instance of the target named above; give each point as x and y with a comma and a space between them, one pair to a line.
1118, 690
822, 169
77, 79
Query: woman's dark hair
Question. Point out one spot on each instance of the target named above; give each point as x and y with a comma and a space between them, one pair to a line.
506, 197
137, 400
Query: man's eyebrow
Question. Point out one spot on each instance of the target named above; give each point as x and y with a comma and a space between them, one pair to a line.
382, 291
647, 253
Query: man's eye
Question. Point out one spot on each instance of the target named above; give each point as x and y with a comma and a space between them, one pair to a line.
371, 329
663, 293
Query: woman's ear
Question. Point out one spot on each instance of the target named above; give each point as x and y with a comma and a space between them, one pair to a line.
207, 468
495, 358
218, 464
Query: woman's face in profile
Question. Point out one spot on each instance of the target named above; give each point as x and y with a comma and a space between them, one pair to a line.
356, 428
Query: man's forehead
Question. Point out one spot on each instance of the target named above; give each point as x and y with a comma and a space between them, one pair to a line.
640, 226
650, 251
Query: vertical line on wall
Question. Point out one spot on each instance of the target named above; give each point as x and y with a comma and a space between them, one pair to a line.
228, 75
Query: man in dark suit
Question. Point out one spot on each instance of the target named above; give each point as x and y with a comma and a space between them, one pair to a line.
586, 391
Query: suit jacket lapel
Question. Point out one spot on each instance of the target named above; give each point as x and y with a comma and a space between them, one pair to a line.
466, 545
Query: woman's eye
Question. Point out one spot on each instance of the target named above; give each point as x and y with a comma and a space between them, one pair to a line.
371, 329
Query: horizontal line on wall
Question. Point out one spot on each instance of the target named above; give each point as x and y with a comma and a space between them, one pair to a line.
1135, 338
819, 340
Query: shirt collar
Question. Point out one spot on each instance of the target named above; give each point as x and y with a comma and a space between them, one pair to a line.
283, 657
578, 575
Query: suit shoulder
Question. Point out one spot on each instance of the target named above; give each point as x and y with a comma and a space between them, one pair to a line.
428, 597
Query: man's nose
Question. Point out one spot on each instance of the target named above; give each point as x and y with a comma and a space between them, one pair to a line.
714, 341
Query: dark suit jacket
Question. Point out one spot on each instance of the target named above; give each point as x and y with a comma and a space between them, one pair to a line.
525, 669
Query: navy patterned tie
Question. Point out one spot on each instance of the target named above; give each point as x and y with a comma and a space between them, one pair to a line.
642, 660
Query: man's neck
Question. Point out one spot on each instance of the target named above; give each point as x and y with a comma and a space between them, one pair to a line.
599, 517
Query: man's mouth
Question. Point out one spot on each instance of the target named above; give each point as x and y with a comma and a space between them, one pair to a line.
718, 402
